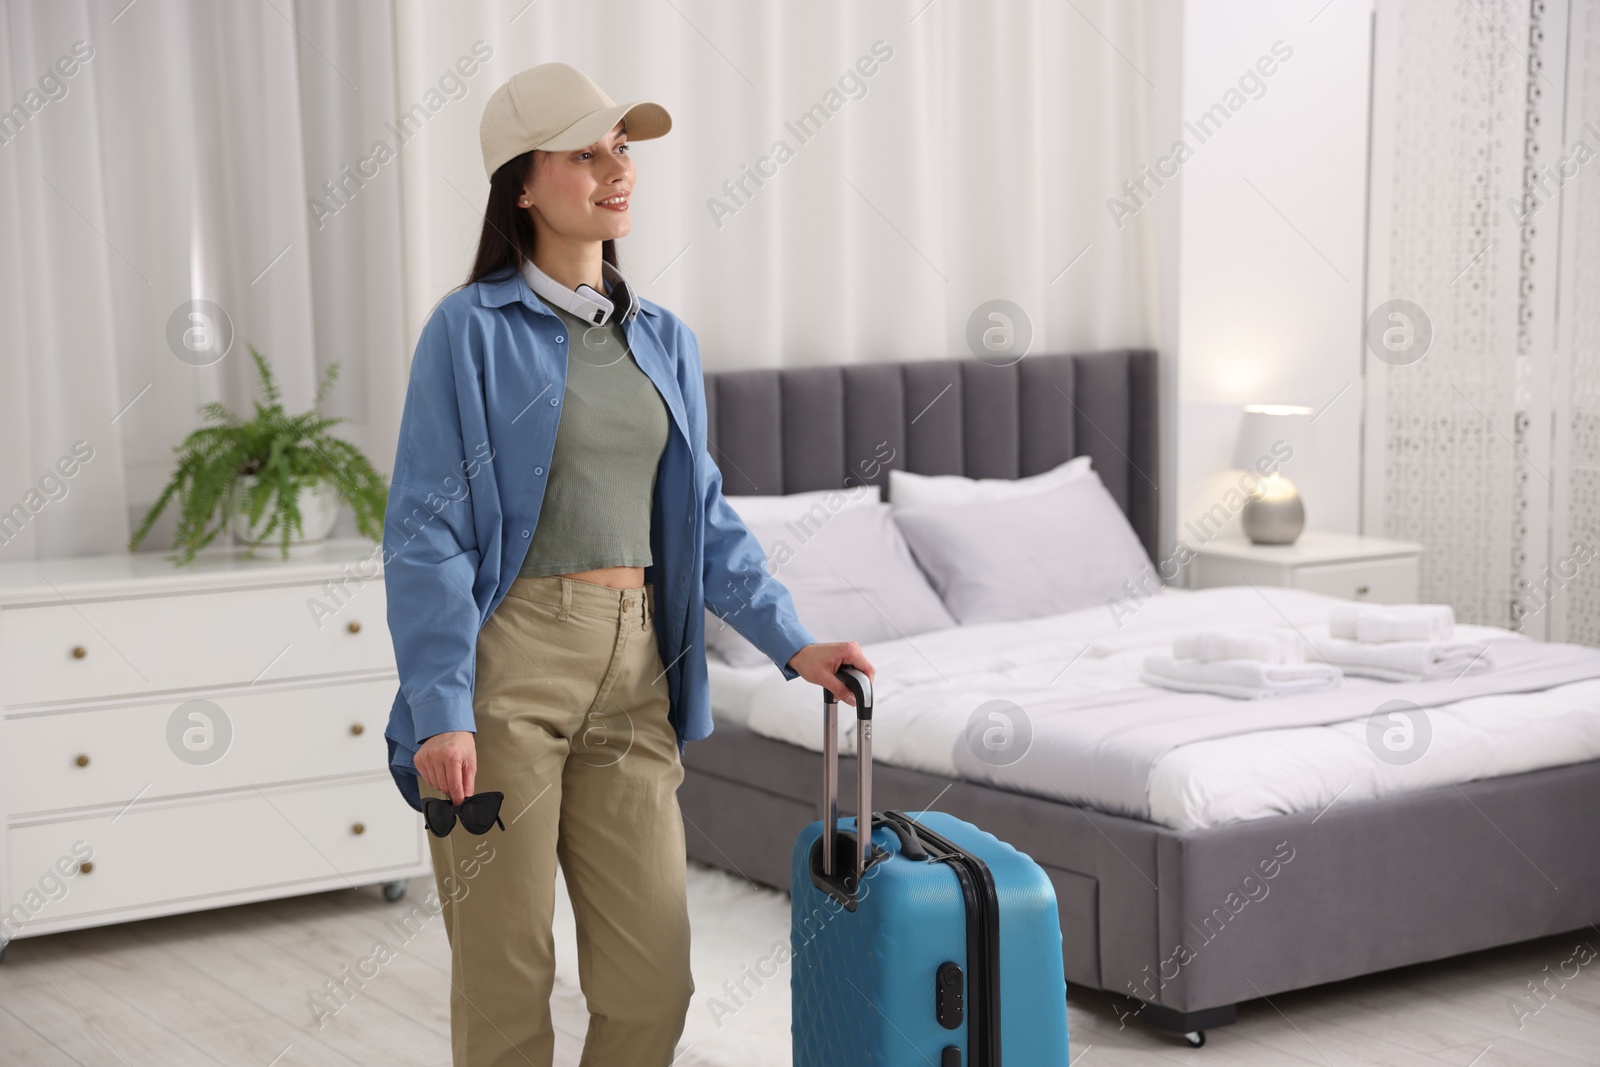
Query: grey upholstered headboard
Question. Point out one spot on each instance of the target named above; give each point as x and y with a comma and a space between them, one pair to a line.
798, 429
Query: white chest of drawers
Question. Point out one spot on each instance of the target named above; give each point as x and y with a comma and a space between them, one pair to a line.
179, 738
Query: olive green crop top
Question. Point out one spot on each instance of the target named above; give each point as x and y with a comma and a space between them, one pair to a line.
609, 438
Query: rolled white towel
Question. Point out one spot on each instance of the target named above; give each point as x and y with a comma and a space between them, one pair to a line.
1401, 661
1266, 644
1246, 679
1391, 622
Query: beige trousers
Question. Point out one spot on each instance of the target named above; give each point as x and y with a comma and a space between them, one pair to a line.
570, 702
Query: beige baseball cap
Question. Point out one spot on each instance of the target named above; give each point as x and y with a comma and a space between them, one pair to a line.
556, 107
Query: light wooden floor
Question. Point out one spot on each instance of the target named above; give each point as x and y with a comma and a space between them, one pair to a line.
231, 987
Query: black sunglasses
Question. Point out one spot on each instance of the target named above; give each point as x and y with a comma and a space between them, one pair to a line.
478, 812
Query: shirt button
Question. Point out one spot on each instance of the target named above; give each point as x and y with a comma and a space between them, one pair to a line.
524, 533
554, 401
559, 338
538, 470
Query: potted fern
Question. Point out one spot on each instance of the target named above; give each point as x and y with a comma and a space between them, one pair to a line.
270, 475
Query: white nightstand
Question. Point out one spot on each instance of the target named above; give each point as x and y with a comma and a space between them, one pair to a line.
1341, 565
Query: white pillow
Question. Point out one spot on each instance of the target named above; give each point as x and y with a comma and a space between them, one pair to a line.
793, 506
910, 490
849, 572
1061, 550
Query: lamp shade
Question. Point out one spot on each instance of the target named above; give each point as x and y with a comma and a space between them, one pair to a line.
1264, 426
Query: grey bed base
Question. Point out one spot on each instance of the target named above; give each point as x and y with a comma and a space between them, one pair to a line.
1192, 922
1163, 916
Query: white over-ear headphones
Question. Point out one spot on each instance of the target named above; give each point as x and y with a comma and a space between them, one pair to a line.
585, 302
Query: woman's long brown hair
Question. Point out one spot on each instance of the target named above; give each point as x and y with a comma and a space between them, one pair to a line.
508, 235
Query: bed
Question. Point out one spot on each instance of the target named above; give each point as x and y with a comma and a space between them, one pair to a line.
1211, 864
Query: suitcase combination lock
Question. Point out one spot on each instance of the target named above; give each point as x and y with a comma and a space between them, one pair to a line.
948, 995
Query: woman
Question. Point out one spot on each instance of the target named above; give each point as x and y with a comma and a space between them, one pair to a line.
547, 583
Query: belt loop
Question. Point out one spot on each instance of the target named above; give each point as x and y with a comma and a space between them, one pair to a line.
566, 598
645, 606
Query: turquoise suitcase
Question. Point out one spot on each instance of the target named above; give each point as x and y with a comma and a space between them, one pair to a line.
947, 951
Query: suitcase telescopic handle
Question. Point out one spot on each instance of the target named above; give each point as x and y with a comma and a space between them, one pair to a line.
861, 688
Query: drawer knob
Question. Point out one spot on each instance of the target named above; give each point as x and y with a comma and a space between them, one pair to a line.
78, 652
359, 828
82, 761
357, 729
1363, 590
354, 627
85, 867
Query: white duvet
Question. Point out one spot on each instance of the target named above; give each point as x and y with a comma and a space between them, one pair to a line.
1090, 732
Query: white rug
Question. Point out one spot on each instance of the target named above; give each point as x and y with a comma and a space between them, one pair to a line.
740, 1013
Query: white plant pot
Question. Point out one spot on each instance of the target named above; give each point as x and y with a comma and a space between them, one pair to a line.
319, 510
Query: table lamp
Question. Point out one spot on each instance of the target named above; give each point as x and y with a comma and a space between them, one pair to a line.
1274, 514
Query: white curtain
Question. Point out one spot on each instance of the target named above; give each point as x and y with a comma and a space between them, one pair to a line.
1486, 216
973, 164
176, 163
1569, 583
189, 158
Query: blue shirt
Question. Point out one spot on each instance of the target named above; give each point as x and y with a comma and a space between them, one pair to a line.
476, 436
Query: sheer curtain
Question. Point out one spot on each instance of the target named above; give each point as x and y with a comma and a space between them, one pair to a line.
1487, 448
181, 160
973, 163
843, 182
